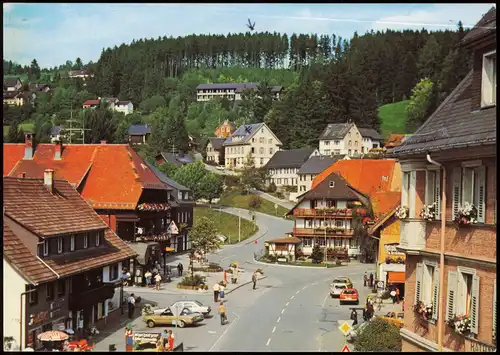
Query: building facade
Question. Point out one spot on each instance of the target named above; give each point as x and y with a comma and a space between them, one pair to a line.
283, 166
125, 107
225, 129
215, 151
311, 168
230, 91
456, 163
254, 141
139, 133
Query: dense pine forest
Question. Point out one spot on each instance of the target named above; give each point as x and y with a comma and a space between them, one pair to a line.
327, 79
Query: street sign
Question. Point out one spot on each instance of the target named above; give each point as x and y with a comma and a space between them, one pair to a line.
345, 328
345, 349
380, 284
172, 228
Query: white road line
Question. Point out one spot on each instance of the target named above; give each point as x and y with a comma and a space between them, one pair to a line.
274, 329
230, 325
268, 341
287, 304
304, 287
279, 318
227, 257
297, 292
324, 301
314, 284
292, 297
282, 311
212, 332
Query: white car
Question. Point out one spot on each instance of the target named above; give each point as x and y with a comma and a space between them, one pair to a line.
338, 285
193, 306
220, 167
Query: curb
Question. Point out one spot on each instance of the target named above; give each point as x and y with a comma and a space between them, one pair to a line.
251, 241
296, 266
243, 284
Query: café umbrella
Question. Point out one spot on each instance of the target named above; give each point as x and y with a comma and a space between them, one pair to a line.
53, 335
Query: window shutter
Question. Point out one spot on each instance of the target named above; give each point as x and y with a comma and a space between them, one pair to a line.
437, 193
429, 187
418, 281
481, 194
435, 295
451, 294
456, 189
495, 310
474, 316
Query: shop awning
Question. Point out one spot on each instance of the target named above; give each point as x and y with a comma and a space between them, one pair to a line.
394, 277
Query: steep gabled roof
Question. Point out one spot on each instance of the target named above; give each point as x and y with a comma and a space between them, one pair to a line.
217, 143
139, 129
92, 103
370, 133
285, 240
336, 131
341, 189
453, 124
10, 81
486, 26
293, 158
316, 164
245, 131
12, 153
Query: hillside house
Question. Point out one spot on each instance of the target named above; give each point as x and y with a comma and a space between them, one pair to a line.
254, 141
126, 107
138, 133
39, 87
91, 104
79, 74
215, 151
177, 159
452, 157
230, 91
225, 129
283, 166
311, 168
14, 98
12, 84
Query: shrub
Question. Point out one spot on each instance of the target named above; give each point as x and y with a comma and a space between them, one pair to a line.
272, 187
379, 335
232, 180
279, 194
317, 254
254, 202
196, 280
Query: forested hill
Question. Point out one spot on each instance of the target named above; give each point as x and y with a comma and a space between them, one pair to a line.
327, 79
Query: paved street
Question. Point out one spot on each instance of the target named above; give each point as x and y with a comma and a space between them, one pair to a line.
281, 202
290, 310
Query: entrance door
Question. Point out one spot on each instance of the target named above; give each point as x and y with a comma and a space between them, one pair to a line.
180, 244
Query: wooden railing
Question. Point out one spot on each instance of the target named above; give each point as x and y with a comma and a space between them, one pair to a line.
328, 212
321, 231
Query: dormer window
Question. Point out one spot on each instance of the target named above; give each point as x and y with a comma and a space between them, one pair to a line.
98, 239
59, 245
332, 184
72, 243
45, 247
85, 241
489, 79
179, 195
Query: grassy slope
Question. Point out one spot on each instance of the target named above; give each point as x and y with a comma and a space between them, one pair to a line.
393, 118
226, 224
27, 127
234, 198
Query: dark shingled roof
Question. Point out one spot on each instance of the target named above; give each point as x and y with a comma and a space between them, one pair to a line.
244, 131
11, 94
370, 133
175, 186
336, 131
317, 164
293, 158
139, 129
486, 26
453, 124
341, 189
10, 81
176, 158
217, 143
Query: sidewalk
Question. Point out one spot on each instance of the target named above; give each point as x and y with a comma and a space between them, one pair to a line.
271, 198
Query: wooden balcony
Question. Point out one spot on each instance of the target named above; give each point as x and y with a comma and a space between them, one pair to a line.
320, 232
328, 212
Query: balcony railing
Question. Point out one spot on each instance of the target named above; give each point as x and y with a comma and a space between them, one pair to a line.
320, 231
328, 212
413, 234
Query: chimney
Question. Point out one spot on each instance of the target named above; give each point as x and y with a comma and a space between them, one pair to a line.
104, 142
58, 153
48, 179
28, 146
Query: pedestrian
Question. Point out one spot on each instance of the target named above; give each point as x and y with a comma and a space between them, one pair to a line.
129, 338
221, 292
180, 268
354, 317
393, 295
254, 279
371, 279
222, 312
365, 279
216, 289
80, 325
157, 281
171, 339
148, 275
370, 310
164, 340
397, 295
131, 306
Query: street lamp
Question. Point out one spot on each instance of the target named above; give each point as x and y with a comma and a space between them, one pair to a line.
239, 226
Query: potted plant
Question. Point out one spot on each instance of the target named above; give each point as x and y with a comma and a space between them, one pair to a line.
402, 212
424, 311
429, 212
466, 215
388, 260
460, 324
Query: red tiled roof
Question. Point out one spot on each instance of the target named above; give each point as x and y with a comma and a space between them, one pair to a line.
285, 240
385, 202
395, 140
46, 214
12, 153
23, 260
366, 175
91, 102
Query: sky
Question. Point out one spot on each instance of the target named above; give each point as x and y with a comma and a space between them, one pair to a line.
55, 33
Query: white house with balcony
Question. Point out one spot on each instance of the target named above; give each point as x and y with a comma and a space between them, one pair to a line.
230, 91
125, 107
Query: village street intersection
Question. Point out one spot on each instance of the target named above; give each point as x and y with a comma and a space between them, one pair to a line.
290, 310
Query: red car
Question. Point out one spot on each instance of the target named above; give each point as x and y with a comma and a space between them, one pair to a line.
349, 295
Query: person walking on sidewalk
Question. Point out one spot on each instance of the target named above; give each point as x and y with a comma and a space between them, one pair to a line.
397, 295
157, 281
222, 292
222, 312
254, 280
180, 268
131, 306
365, 279
393, 295
371, 279
129, 338
216, 289
354, 317
171, 339
148, 275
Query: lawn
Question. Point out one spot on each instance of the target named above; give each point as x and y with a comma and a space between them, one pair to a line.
393, 118
27, 127
226, 224
234, 198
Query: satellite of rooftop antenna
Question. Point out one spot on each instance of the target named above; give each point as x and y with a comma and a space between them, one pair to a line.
251, 25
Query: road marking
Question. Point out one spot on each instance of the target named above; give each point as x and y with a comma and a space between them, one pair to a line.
268, 341
227, 257
324, 301
314, 284
282, 311
212, 332
279, 318
297, 292
287, 304
304, 287
274, 329
224, 332
292, 297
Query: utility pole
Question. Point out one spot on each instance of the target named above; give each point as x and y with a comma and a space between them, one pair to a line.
239, 226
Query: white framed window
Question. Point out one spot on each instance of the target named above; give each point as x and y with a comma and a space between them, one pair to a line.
427, 285
339, 224
331, 184
327, 151
337, 142
350, 143
354, 243
72, 243
337, 242
489, 79
261, 140
261, 161
405, 190
349, 152
336, 151
85, 241
309, 223
270, 150
320, 241
469, 185
327, 142
98, 239
433, 190
59, 245
307, 242
33, 295
463, 295
45, 247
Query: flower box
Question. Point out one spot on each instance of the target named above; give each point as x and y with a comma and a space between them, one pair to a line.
466, 215
429, 212
460, 324
402, 212
422, 310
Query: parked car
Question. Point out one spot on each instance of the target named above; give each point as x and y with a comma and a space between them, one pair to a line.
164, 316
395, 318
220, 167
338, 285
349, 295
194, 306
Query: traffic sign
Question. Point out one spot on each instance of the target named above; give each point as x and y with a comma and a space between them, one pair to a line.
172, 228
345, 349
380, 284
345, 328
